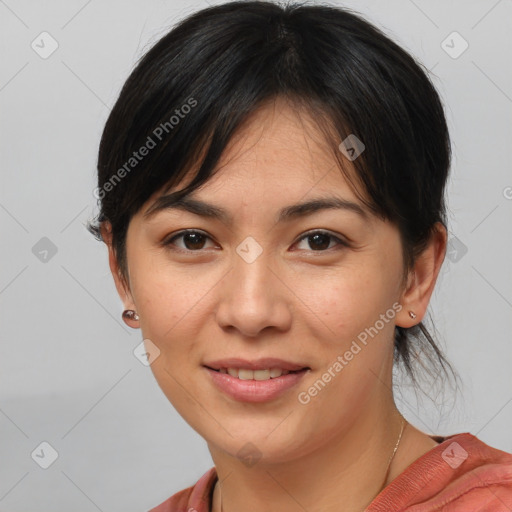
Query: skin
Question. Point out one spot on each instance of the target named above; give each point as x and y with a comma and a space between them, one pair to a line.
292, 302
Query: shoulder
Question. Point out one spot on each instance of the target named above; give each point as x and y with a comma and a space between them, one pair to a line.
461, 474
196, 498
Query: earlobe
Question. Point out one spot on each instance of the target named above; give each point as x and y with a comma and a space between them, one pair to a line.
422, 279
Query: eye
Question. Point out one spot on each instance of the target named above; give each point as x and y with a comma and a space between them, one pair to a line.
320, 240
193, 240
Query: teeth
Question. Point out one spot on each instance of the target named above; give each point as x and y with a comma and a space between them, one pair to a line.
277, 372
246, 374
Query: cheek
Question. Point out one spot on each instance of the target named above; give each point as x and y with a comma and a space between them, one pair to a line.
353, 342
169, 302
352, 338
347, 299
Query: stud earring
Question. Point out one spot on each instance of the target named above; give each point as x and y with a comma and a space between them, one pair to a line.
412, 314
130, 314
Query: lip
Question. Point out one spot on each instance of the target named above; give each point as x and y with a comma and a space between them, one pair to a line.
257, 364
255, 390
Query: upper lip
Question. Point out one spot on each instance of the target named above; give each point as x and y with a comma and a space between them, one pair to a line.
257, 364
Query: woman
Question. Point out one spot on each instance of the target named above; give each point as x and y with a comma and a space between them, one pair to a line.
271, 184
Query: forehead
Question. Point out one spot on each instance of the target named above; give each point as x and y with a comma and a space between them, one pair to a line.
279, 164
279, 151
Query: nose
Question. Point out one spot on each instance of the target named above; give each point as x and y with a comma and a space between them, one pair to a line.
253, 297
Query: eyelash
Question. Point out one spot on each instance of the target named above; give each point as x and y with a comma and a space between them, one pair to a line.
168, 243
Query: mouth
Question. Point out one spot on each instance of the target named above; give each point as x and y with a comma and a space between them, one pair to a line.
260, 385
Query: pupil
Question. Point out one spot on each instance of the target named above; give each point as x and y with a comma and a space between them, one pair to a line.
317, 237
194, 240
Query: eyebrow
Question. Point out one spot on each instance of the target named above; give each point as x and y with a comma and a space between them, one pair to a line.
286, 214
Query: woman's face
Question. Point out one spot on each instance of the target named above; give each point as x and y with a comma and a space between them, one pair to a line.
259, 284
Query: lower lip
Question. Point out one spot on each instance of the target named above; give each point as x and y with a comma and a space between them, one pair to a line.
255, 390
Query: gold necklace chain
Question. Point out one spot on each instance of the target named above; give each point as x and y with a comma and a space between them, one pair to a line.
387, 469
390, 459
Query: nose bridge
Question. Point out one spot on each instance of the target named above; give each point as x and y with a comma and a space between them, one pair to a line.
251, 273
252, 298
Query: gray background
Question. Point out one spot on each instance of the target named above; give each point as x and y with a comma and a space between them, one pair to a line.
68, 374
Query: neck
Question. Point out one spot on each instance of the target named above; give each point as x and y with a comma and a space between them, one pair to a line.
351, 467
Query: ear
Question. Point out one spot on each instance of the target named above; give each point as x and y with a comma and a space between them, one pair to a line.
122, 287
422, 279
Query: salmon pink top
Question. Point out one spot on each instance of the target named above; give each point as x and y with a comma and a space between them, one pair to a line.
461, 474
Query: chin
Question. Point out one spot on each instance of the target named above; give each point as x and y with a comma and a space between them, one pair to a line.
265, 445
